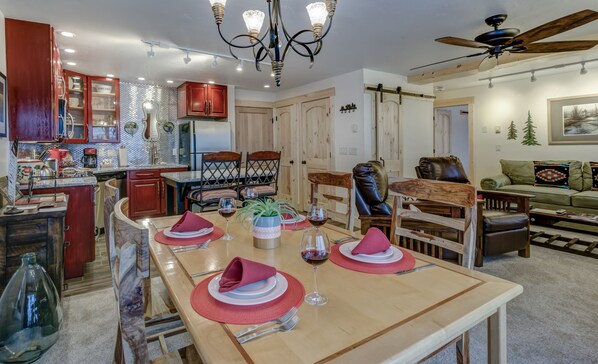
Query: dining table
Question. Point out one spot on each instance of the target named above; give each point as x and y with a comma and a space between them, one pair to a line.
369, 318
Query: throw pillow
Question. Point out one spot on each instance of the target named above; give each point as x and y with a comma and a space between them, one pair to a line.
551, 175
594, 167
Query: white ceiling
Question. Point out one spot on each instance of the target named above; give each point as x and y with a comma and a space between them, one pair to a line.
385, 35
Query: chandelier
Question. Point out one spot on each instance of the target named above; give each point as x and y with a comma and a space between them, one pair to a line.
270, 43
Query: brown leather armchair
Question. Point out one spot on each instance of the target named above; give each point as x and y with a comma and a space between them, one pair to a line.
503, 218
371, 192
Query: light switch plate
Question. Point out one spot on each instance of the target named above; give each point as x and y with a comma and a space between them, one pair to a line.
498, 148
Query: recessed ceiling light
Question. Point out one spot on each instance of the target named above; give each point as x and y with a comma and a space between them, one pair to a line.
266, 86
109, 75
67, 34
169, 81
272, 74
141, 78
211, 82
71, 63
69, 50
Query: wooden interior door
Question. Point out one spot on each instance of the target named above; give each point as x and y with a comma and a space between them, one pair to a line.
316, 126
285, 141
253, 129
388, 147
442, 133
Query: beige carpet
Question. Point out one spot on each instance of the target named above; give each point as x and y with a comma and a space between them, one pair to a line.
555, 320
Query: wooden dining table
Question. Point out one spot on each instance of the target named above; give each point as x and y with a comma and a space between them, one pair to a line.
369, 318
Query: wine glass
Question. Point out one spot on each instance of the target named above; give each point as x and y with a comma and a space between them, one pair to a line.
315, 250
227, 208
250, 193
317, 216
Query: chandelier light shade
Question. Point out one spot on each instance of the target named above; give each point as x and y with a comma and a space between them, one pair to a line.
275, 42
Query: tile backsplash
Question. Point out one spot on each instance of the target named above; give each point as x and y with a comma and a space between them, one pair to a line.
132, 97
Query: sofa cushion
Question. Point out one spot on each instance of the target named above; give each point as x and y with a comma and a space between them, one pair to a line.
587, 199
575, 172
505, 221
551, 175
594, 169
587, 176
520, 172
555, 196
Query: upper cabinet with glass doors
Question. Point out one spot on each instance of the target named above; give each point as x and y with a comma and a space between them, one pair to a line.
104, 110
76, 117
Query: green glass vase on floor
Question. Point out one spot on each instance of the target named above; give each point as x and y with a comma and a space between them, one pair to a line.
30, 313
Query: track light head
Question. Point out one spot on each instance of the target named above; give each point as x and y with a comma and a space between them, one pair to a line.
151, 53
215, 62
240, 66
583, 69
187, 59
490, 84
533, 78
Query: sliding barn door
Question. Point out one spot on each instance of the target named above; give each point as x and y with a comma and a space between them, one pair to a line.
388, 148
316, 138
253, 129
285, 141
442, 133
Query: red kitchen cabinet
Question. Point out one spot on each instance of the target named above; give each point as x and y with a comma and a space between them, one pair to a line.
76, 120
146, 190
35, 82
79, 236
202, 100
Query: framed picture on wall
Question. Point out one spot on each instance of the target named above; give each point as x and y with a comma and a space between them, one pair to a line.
3, 106
573, 120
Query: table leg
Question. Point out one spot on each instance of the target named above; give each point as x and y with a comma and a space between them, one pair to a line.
497, 336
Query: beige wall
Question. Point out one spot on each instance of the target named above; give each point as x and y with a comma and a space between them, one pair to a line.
510, 100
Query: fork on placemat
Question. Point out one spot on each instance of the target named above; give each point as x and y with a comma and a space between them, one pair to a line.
282, 319
186, 248
286, 326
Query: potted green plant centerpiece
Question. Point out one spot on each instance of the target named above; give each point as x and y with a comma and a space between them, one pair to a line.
265, 214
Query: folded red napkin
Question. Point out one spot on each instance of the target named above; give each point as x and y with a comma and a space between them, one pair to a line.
190, 222
241, 272
373, 242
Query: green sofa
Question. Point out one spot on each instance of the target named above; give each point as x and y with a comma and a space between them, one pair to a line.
518, 176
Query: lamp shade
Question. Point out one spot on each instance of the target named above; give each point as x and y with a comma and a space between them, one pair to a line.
317, 13
218, 2
253, 20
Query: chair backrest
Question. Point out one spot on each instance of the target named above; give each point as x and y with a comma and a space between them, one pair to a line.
461, 196
448, 169
333, 179
129, 251
371, 189
261, 169
220, 170
111, 197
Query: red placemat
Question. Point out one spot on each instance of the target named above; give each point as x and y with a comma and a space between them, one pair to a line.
406, 263
300, 225
214, 235
204, 304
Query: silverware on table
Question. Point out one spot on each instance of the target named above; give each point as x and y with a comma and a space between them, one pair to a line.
199, 274
282, 319
286, 326
415, 269
187, 248
345, 239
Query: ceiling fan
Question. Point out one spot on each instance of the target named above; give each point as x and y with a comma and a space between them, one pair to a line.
498, 41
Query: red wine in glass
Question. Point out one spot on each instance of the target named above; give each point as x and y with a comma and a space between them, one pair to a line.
227, 208
317, 216
316, 221
315, 257
227, 212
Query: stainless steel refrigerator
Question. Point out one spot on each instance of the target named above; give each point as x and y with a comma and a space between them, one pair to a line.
198, 137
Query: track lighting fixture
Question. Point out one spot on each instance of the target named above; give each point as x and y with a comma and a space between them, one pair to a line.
533, 78
490, 84
583, 69
240, 66
187, 59
151, 53
215, 62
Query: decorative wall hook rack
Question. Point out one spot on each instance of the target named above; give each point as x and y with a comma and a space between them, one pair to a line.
348, 108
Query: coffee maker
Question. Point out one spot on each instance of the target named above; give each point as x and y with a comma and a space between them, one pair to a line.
90, 158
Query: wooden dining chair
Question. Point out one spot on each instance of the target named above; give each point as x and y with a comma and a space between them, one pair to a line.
129, 260
336, 180
220, 176
261, 173
430, 229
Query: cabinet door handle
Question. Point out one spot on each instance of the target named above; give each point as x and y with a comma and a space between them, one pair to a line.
144, 174
67, 243
206, 106
67, 228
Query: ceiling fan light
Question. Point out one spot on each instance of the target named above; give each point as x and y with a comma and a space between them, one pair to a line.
583, 69
317, 15
254, 19
218, 10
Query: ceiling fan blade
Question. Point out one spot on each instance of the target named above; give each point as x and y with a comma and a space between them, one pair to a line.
461, 42
557, 26
488, 63
555, 47
448, 60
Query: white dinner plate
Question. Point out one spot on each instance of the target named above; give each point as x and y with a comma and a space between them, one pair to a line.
380, 255
279, 288
255, 289
346, 249
188, 234
298, 219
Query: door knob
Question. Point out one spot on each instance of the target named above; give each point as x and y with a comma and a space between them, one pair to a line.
292, 161
303, 162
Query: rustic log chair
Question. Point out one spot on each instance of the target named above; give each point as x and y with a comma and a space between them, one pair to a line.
220, 173
337, 180
261, 173
130, 261
461, 197
503, 217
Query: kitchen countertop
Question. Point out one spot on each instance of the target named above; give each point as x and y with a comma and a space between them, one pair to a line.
192, 176
63, 182
139, 167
